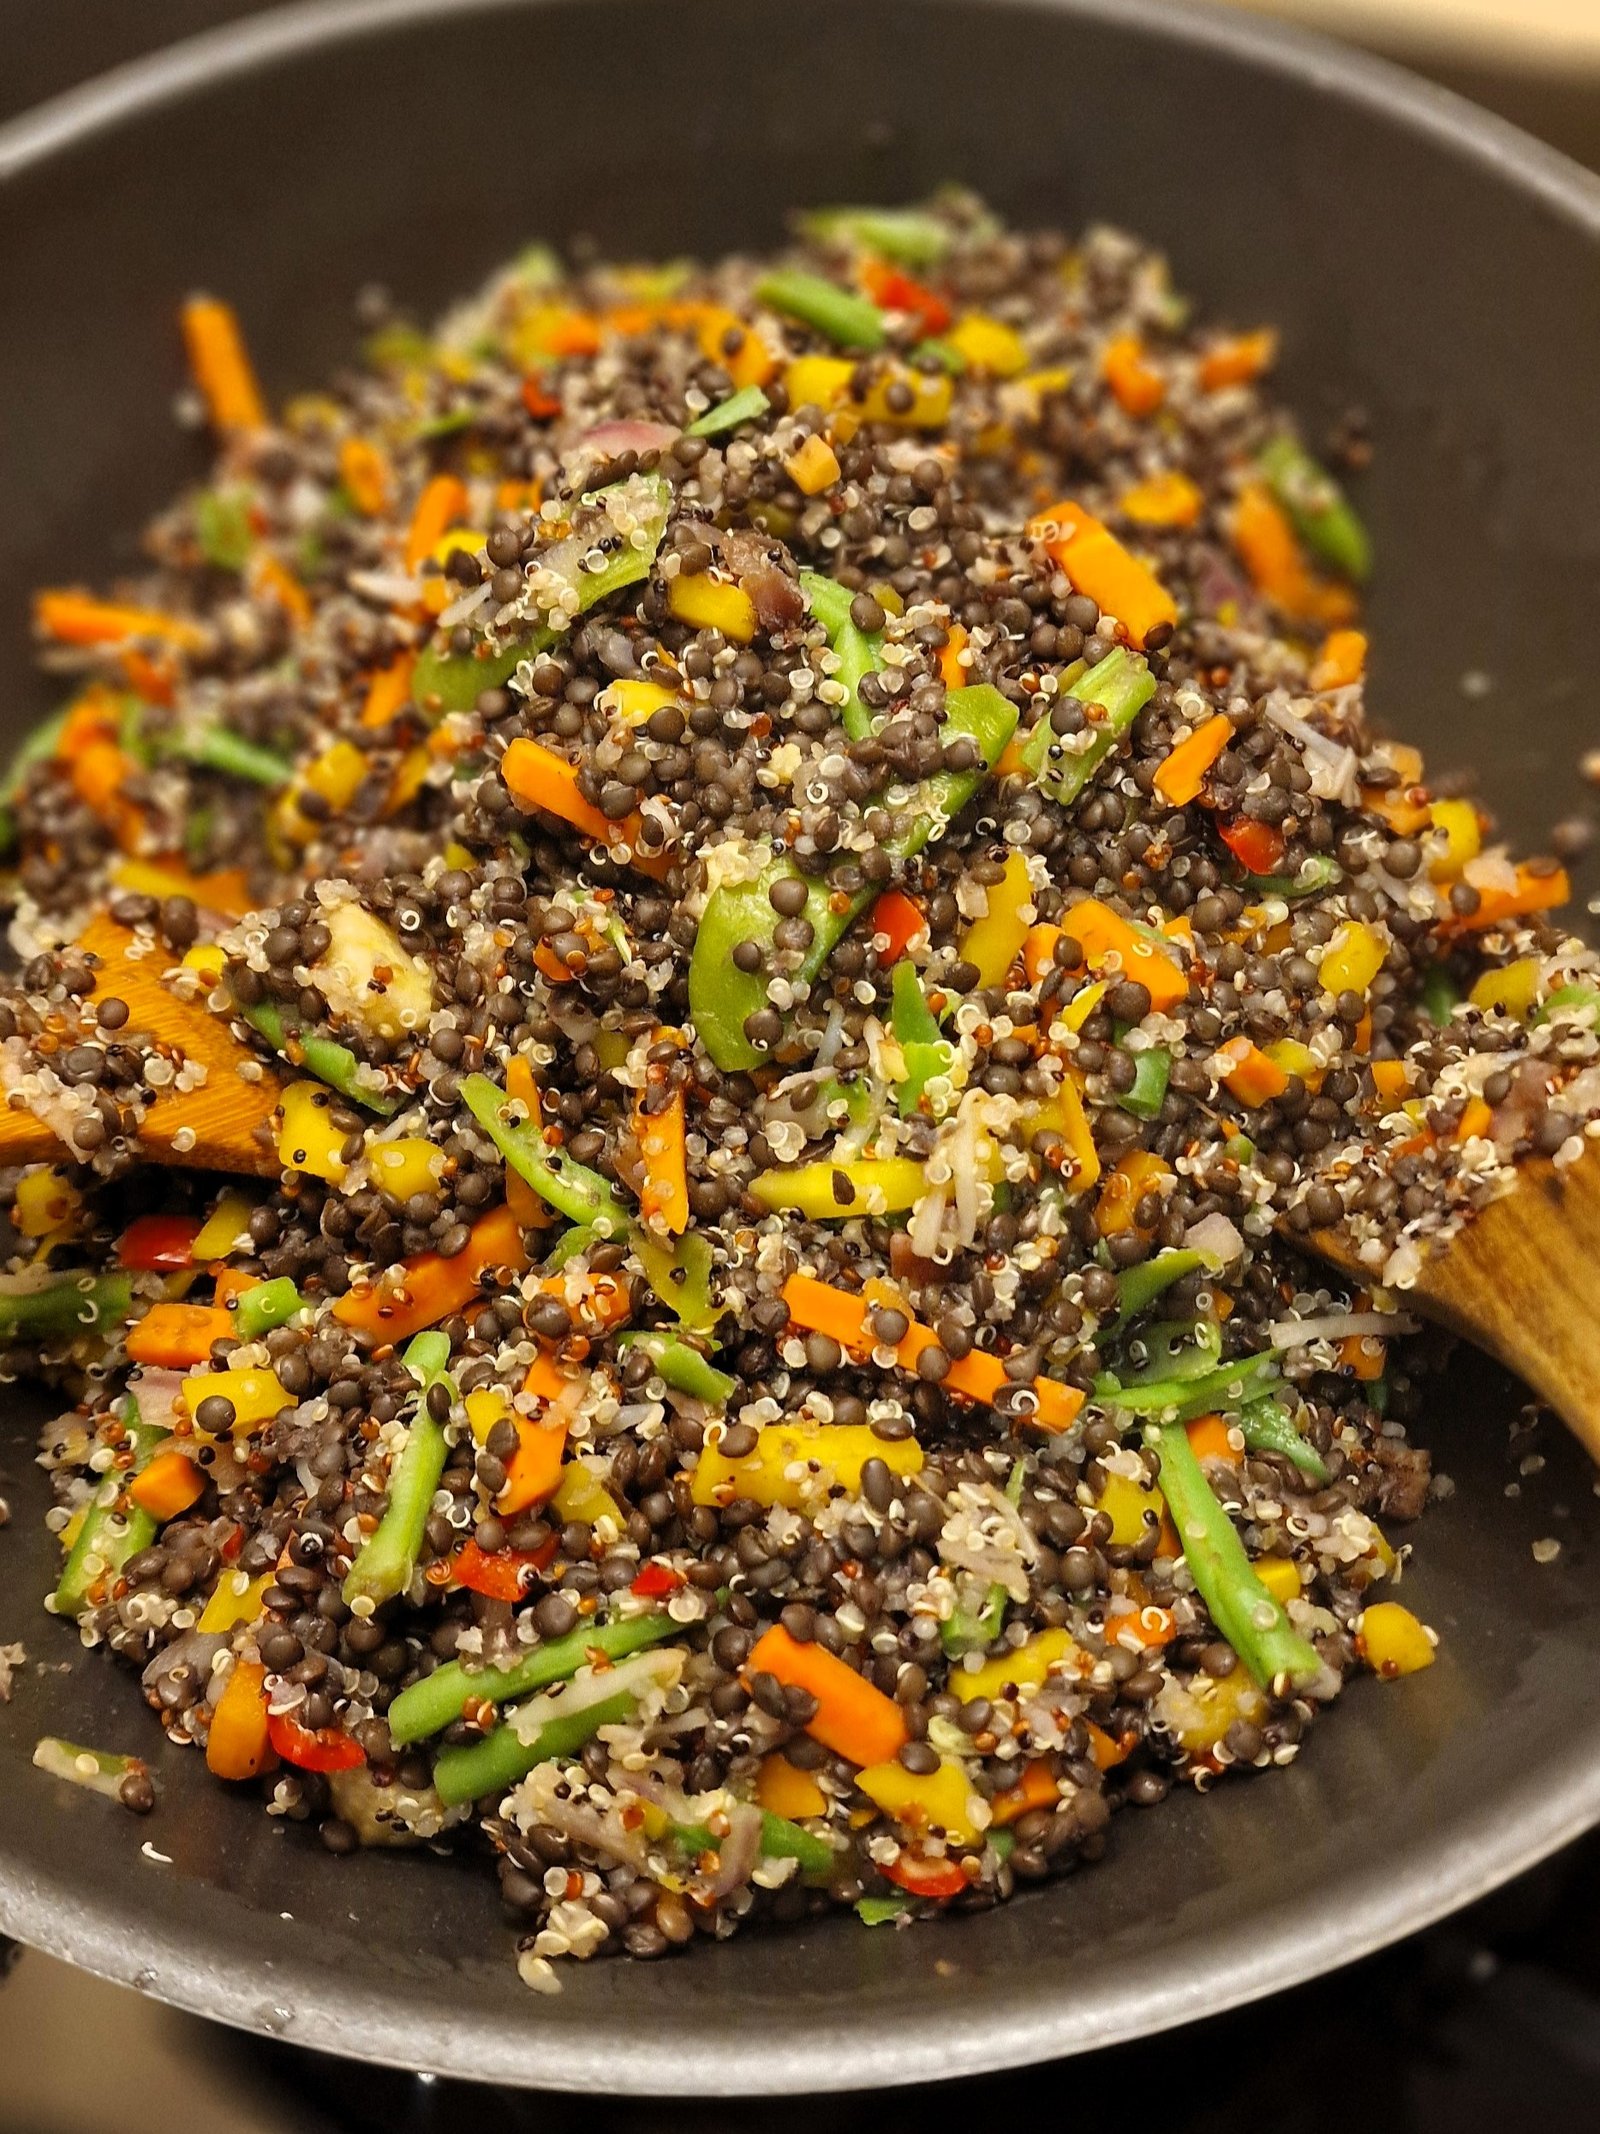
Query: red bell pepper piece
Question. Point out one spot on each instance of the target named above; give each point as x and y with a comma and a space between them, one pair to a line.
506, 1575
901, 919
158, 1244
1257, 846
925, 1877
895, 290
327, 1748
542, 406
656, 1580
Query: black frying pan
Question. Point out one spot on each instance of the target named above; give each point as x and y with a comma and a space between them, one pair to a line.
1422, 259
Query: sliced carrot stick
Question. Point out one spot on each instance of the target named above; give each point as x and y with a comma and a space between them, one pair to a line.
663, 1150
389, 690
534, 1470
169, 1484
1534, 892
1183, 769
1391, 1079
951, 671
852, 1718
1101, 932
1209, 1440
531, 1212
364, 470
174, 1336
79, 619
1136, 384
1253, 1078
1038, 1787
1097, 565
1128, 1182
221, 366
1239, 359
270, 578
238, 1746
536, 777
1341, 661
1268, 549
1364, 1355
442, 504
419, 1293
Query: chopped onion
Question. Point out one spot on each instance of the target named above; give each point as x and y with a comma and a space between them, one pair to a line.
1332, 766
645, 1672
740, 1851
1336, 1326
1217, 1238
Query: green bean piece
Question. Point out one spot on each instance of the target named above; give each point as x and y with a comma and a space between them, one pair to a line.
219, 748
848, 320
107, 1539
747, 405
1569, 999
1151, 1070
1254, 1624
780, 1840
572, 1189
683, 1367
1322, 514
42, 1306
1176, 1350
1138, 1287
1121, 684
389, 1555
1440, 994
1229, 1386
882, 1911
268, 1305
322, 1056
1318, 873
904, 234
35, 748
495, 1764
681, 1277
222, 527
1269, 1427
432, 1704
859, 652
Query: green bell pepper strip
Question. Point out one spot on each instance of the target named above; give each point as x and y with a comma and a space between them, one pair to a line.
944, 353
567, 1247
1231, 1385
388, 1557
1178, 1350
35, 748
903, 234
963, 1631
838, 314
454, 681
780, 1840
1321, 512
927, 1053
1138, 1287
268, 1305
1151, 1070
218, 748
749, 405
439, 1699
324, 1057
222, 527
1254, 1624
96, 1549
683, 1367
495, 1764
1318, 873
882, 1911
681, 1278
1122, 685
1566, 996
572, 1189
859, 654
1440, 994
41, 1306
1269, 1427
722, 998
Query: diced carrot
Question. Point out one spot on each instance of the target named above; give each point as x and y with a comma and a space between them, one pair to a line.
1364, 1355
364, 470
1209, 1440
852, 1718
1097, 565
813, 467
417, 1294
1166, 499
1149, 1626
1038, 1787
1477, 1120
1341, 661
1137, 385
534, 1469
442, 504
1100, 932
1129, 1181
898, 919
167, 1486
221, 366
536, 777
1183, 769
276, 581
238, 1745
951, 672
1391, 1079
1253, 1078
1239, 359
174, 1336
232, 1283
79, 619
1271, 553
1105, 1750
575, 333
664, 1201
1534, 892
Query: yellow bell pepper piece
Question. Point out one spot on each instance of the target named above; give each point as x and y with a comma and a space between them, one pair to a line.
881, 1185
634, 702
792, 1462
225, 1230
1352, 959
782, 1788
931, 395
1064, 1114
707, 603
255, 1396
1511, 990
1021, 1671
821, 382
310, 1139
1169, 499
988, 344
1281, 1577
1457, 837
207, 960
813, 467
939, 1801
1128, 1506
46, 1202
1295, 1058
237, 1599
994, 942
409, 1165
1393, 1642
1083, 1004
485, 1405
611, 1048
582, 1496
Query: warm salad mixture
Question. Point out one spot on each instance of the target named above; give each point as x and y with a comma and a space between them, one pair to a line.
687, 964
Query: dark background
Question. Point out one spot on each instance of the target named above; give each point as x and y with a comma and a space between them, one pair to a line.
1492, 2020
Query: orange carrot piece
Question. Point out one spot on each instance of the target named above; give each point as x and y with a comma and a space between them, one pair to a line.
534, 1470
1097, 565
1106, 1750
1364, 1355
1166, 499
782, 1788
275, 580
1268, 549
531, 1212
1239, 359
1534, 892
1136, 384
1183, 769
1148, 1626
1209, 1440
951, 672
442, 504
1252, 1078
852, 1718
1038, 1787
364, 470
1341, 661
418, 1293
79, 619
221, 366
167, 1486
1127, 1183
537, 778
664, 1202
1476, 1120
174, 1336
1391, 1079
1100, 932
237, 1745
232, 1283
389, 690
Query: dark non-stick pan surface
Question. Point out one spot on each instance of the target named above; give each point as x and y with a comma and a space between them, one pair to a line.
1423, 261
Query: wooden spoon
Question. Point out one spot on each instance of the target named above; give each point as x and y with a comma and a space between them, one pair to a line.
224, 1125
1521, 1281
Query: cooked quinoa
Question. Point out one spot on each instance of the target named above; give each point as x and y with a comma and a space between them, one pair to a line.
689, 962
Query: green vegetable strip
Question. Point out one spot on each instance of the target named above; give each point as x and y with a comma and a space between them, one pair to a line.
882, 1911
1150, 1072
748, 405
493, 1765
1122, 685
1570, 998
1179, 1350
98, 1549
37, 747
722, 998
268, 1305
1269, 1427
1253, 1623
904, 235
1138, 1287
858, 653
56, 1307
572, 1189
1318, 873
218, 748
849, 320
1229, 1386
1321, 512
432, 1704
681, 1278
324, 1057
389, 1556
222, 527
780, 1840
925, 1051
962, 1631
684, 1367
1440, 994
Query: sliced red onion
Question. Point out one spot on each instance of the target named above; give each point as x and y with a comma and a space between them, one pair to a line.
627, 435
741, 1849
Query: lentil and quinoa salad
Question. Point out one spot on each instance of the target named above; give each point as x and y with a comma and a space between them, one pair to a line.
688, 962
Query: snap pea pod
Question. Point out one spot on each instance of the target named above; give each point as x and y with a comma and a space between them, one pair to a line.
1318, 873
493, 1765
926, 1051
1254, 1624
572, 1189
439, 1699
859, 653
35, 748
851, 321
1179, 1350
1321, 511
748, 405
683, 1367
963, 1631
99, 1547
322, 1056
1151, 1072
722, 997
389, 1555
214, 747
1227, 1387
1269, 1427
1121, 684
268, 1305
40, 1306
903, 234
1138, 1287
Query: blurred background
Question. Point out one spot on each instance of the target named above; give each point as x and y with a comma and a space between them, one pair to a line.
1492, 2019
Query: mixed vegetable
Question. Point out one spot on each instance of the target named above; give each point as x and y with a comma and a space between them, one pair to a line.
687, 963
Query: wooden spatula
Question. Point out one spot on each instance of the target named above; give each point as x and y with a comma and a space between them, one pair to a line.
1521, 1281
224, 1125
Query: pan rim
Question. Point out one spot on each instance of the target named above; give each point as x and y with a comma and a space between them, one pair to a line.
1250, 1959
